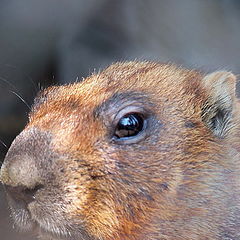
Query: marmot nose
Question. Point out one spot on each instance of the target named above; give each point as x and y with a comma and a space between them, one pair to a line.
21, 172
21, 179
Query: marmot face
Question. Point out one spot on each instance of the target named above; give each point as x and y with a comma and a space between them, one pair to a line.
139, 151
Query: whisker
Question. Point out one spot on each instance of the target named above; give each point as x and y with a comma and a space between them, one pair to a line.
26, 75
9, 83
40, 87
21, 99
3, 143
76, 80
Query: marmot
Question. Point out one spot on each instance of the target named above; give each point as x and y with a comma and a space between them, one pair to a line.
140, 151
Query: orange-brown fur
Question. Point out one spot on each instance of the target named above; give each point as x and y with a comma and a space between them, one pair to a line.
180, 182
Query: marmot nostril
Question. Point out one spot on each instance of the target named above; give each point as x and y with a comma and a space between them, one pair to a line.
22, 193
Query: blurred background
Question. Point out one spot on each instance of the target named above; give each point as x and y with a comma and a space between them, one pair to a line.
60, 41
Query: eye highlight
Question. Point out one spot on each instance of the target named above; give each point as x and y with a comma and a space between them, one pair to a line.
129, 125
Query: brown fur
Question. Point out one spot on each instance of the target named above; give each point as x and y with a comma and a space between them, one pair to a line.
181, 181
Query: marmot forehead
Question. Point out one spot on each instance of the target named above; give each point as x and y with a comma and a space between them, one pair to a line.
124, 77
149, 82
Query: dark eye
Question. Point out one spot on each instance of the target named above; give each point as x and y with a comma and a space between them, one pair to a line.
129, 125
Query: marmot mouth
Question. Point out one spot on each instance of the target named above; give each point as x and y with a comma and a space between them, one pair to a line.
20, 214
19, 199
25, 221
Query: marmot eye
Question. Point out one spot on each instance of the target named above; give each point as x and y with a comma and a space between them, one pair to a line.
129, 125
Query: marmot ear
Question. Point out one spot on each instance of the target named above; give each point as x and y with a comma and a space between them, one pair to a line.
217, 111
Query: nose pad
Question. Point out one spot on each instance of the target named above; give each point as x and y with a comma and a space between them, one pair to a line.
22, 193
20, 170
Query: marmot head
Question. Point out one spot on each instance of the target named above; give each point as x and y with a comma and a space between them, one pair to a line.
138, 151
